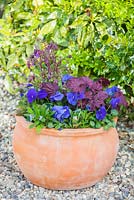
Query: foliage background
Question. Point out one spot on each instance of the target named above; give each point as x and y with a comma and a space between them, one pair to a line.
99, 35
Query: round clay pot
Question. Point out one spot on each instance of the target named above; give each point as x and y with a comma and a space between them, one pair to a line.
67, 159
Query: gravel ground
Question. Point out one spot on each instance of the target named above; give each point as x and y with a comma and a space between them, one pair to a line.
117, 185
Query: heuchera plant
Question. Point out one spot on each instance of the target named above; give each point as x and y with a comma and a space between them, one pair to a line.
53, 98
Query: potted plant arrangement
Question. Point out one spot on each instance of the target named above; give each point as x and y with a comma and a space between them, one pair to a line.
65, 136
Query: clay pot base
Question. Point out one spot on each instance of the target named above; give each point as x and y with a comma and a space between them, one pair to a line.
64, 160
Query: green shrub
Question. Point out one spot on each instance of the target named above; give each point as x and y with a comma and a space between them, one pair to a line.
98, 35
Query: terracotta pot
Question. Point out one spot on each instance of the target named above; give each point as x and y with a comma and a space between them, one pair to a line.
67, 159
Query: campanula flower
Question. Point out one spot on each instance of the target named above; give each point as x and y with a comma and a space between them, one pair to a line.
73, 97
111, 91
57, 97
101, 113
115, 102
61, 112
29, 85
37, 53
65, 78
42, 94
31, 95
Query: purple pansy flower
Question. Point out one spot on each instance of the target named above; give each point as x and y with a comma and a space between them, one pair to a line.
31, 95
115, 102
61, 112
42, 94
111, 91
101, 113
65, 78
73, 97
57, 97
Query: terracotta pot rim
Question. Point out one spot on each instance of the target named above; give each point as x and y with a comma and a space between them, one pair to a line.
64, 132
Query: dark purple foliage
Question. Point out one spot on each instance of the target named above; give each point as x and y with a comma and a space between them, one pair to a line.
80, 84
61, 112
50, 88
104, 81
101, 113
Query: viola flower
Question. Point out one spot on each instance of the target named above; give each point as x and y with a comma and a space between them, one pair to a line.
31, 95
42, 94
111, 91
115, 102
65, 78
57, 97
101, 113
73, 97
61, 112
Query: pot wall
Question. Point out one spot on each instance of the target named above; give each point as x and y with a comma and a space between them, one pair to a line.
64, 159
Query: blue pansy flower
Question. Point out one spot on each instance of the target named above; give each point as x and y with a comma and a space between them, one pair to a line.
80, 96
31, 95
57, 97
61, 112
65, 78
73, 97
42, 94
115, 102
101, 113
111, 91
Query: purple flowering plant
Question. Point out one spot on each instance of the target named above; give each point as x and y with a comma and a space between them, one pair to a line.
53, 98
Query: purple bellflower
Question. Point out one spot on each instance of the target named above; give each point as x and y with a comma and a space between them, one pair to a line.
61, 112
101, 113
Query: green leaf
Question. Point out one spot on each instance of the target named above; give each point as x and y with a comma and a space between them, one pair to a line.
114, 112
9, 85
92, 123
30, 110
47, 28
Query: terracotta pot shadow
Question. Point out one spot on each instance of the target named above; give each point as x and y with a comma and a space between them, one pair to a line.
67, 159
